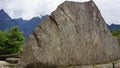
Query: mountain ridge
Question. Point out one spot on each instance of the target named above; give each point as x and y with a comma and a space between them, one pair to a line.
114, 27
27, 26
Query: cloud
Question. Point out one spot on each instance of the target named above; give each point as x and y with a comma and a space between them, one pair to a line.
31, 8
110, 10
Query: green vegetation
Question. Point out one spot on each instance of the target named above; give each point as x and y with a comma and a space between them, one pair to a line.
116, 33
11, 41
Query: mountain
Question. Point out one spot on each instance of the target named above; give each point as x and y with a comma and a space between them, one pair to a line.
114, 26
5, 20
75, 34
27, 26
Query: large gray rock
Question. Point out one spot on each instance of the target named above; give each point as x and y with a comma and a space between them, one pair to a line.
74, 34
12, 60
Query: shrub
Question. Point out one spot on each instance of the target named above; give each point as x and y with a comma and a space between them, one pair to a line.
11, 41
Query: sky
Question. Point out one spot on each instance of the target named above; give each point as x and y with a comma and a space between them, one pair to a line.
28, 9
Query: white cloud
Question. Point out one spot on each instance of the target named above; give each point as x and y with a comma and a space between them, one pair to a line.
31, 8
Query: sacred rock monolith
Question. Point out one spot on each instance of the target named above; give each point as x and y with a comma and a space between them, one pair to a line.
74, 34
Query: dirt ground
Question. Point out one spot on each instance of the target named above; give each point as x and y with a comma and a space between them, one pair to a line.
4, 64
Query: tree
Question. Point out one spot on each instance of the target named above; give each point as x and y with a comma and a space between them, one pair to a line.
116, 33
11, 41
4, 37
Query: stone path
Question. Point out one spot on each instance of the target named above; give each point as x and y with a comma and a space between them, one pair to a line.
107, 65
4, 64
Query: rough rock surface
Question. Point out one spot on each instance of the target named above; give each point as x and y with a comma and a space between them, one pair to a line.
74, 34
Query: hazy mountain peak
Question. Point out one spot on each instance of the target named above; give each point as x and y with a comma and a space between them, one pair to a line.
27, 26
4, 15
1, 10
